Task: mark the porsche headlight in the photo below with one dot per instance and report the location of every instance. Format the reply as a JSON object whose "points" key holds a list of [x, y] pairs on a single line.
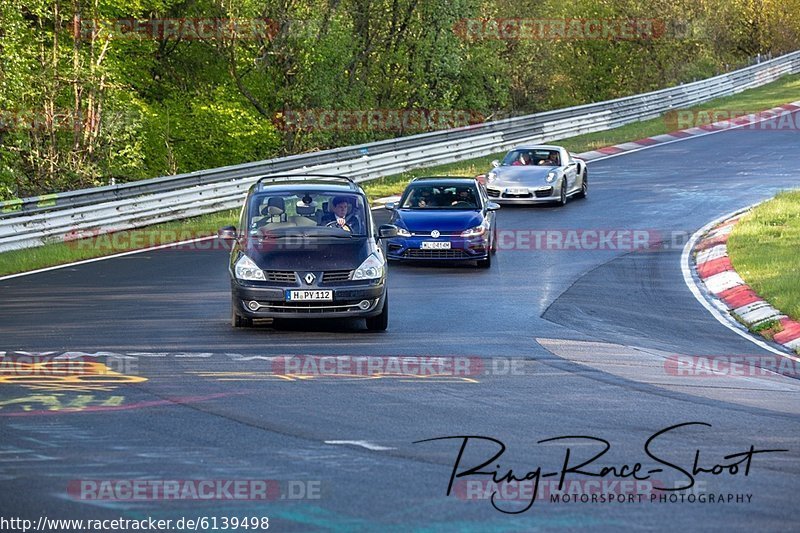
{"points": [[490, 177], [371, 268], [477, 231], [247, 270], [551, 176]]}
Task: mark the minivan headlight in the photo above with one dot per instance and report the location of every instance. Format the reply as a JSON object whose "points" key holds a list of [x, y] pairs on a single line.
{"points": [[247, 270], [371, 268]]}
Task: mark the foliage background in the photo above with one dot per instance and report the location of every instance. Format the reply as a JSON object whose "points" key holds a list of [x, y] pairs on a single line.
{"points": [[79, 112]]}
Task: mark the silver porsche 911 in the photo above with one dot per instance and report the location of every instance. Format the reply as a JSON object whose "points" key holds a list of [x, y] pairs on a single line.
{"points": [[531, 174]]}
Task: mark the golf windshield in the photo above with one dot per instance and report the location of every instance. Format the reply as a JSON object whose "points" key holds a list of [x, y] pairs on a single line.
{"points": [[440, 197]]}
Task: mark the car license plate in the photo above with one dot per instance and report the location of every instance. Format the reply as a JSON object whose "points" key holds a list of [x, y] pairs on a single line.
{"points": [[318, 296], [516, 191], [435, 245]]}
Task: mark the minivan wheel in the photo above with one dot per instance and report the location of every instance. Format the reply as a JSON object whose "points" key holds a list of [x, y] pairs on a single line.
{"points": [[238, 321], [380, 322]]}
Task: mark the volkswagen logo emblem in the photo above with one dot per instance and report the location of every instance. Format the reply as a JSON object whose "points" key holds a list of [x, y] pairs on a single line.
{"points": [[309, 278], [435, 234]]}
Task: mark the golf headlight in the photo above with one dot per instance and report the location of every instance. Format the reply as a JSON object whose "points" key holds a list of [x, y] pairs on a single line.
{"points": [[402, 232], [477, 231], [490, 177], [551, 176], [247, 270], [371, 268]]}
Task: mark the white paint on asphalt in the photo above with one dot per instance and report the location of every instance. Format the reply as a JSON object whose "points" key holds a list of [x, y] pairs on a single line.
{"points": [[362, 443], [103, 258]]}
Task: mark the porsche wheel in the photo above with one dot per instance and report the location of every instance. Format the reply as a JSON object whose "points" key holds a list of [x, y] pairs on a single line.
{"points": [[584, 184], [562, 200]]}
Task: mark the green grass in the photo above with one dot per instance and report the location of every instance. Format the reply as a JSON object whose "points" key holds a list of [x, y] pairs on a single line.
{"points": [[765, 250], [122, 241], [779, 92]]}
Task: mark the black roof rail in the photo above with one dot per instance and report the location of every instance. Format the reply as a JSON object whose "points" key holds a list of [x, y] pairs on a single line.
{"points": [[299, 177], [420, 178]]}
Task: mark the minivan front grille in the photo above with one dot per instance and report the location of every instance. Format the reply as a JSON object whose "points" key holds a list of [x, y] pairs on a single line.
{"points": [[336, 276], [280, 276]]}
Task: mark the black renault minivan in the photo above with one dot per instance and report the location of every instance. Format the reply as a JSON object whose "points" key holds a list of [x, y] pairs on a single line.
{"points": [[307, 247]]}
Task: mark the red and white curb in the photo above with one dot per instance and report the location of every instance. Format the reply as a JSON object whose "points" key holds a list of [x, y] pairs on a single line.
{"points": [[680, 135], [729, 292]]}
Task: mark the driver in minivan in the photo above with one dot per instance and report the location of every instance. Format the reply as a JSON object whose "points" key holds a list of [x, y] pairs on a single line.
{"points": [[342, 216]]}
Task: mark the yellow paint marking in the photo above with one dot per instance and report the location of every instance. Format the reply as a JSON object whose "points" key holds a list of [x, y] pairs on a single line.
{"points": [[56, 402], [82, 376]]}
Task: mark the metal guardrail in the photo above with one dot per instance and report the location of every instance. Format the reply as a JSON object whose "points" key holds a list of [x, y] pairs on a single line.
{"points": [[52, 218]]}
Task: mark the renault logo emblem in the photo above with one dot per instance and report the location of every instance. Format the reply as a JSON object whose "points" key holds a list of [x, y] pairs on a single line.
{"points": [[309, 278], [435, 234]]}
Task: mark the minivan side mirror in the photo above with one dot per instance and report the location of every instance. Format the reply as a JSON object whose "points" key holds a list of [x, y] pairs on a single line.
{"points": [[228, 233], [387, 231], [495, 163]]}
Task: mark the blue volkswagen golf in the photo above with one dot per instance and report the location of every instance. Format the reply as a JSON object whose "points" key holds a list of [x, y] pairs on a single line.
{"points": [[444, 219]]}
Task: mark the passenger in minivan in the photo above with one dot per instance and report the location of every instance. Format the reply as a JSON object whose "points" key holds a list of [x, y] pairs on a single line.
{"points": [[274, 211]]}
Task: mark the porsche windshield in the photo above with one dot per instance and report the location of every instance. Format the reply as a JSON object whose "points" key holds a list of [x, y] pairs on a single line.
{"points": [[312, 214], [532, 157]]}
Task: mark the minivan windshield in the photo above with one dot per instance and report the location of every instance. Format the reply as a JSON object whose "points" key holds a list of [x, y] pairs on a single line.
{"points": [[313, 213]]}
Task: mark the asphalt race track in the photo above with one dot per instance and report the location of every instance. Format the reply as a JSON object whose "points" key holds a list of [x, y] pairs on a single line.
{"points": [[573, 342]]}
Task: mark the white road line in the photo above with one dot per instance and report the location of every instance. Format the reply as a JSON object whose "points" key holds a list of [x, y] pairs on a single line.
{"points": [[362, 443], [103, 258]]}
